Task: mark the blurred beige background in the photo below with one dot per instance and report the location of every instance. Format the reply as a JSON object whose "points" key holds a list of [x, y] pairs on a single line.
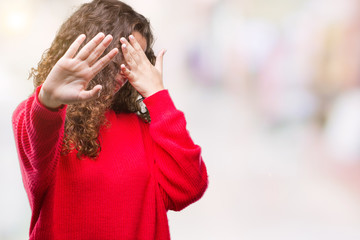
{"points": [[270, 90]]}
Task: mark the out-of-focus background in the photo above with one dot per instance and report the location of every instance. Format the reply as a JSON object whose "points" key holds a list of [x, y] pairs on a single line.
{"points": [[270, 90]]}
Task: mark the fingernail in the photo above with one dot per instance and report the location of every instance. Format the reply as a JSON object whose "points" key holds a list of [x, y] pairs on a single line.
{"points": [[124, 45], [131, 37], [122, 39]]}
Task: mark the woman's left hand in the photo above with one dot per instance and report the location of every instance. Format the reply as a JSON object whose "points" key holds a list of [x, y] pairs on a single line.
{"points": [[142, 75]]}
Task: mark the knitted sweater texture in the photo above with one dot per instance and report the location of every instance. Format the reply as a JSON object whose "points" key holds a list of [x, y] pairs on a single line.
{"points": [[143, 170]]}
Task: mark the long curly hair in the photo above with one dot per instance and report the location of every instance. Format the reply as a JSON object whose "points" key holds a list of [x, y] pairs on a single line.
{"points": [[84, 120]]}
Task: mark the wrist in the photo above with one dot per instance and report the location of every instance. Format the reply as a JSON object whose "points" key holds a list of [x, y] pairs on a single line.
{"points": [[46, 100], [152, 91]]}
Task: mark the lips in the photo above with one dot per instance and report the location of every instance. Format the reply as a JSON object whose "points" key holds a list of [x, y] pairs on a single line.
{"points": [[120, 81]]}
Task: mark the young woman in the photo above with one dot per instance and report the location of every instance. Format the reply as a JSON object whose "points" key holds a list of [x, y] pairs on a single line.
{"points": [[104, 153]]}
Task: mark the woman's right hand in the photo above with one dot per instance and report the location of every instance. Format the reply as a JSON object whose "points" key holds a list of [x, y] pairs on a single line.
{"points": [[70, 76]]}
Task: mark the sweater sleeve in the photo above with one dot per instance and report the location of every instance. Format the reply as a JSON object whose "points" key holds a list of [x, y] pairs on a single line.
{"points": [[38, 135], [179, 167]]}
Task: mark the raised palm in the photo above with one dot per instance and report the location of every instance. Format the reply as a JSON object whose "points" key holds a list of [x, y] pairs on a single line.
{"points": [[70, 76]]}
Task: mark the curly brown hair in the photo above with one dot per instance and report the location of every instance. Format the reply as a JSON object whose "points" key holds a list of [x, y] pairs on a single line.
{"points": [[83, 120]]}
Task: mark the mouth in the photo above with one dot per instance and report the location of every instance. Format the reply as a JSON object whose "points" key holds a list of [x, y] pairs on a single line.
{"points": [[120, 81]]}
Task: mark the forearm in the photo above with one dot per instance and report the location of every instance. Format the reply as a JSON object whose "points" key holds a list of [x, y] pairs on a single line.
{"points": [[38, 135], [179, 167]]}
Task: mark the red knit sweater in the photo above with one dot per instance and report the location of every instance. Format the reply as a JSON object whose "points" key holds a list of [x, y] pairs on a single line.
{"points": [[142, 171]]}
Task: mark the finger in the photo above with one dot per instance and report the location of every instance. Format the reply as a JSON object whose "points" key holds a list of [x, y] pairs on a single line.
{"points": [[135, 44], [90, 46], [131, 50], [128, 74], [99, 50], [100, 64], [70, 53], [127, 56], [90, 94], [159, 60]]}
